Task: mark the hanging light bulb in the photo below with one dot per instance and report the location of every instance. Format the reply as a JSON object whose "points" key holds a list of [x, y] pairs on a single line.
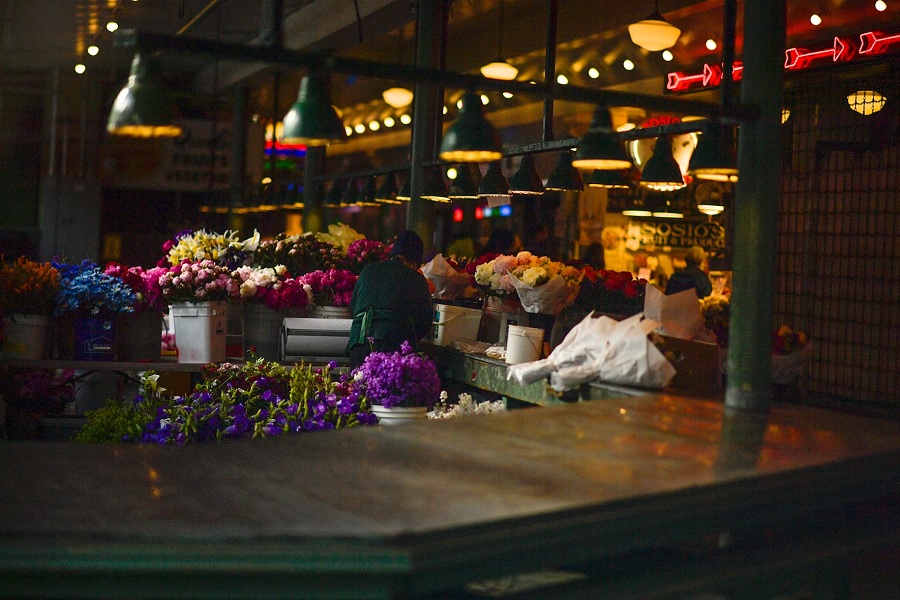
{"points": [[398, 97], [654, 33], [499, 68], [662, 173]]}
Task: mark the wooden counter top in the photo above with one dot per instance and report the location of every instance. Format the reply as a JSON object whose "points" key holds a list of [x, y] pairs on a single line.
{"points": [[412, 509]]}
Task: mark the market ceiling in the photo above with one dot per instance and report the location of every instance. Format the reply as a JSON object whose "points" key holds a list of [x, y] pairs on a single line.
{"points": [[36, 36]]}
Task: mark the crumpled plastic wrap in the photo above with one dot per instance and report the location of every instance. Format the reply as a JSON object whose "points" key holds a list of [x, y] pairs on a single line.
{"points": [[549, 299], [601, 349], [449, 284], [679, 314]]}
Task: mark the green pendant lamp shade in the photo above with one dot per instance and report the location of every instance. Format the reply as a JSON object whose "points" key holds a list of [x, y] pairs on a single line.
{"points": [[662, 173], [636, 207], [471, 138], [609, 180], [387, 193], [367, 193], [714, 156], [351, 194], [600, 147], [463, 187], [526, 181], [405, 193], [565, 177], [143, 107], [335, 193], [667, 208], [493, 183], [312, 119], [435, 188]]}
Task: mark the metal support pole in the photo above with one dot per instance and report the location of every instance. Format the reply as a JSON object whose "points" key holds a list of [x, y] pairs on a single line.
{"points": [[425, 111], [313, 218], [550, 66], [238, 147], [756, 208]]}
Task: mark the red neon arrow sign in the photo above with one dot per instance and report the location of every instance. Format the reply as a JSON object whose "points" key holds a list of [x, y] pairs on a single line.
{"points": [[678, 81], [799, 58], [737, 71], [871, 43]]}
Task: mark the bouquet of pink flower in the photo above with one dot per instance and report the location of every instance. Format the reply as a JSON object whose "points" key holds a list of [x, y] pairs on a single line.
{"points": [[274, 287], [543, 285], [144, 283], [364, 252], [198, 282], [333, 287]]}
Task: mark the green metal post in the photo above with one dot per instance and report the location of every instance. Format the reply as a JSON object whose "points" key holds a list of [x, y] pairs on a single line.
{"points": [[756, 208], [312, 186]]}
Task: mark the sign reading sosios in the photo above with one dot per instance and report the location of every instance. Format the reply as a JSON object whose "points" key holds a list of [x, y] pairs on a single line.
{"points": [[683, 234]]}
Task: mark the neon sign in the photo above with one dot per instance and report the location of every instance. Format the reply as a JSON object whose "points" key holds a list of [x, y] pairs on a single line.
{"points": [[842, 49]]}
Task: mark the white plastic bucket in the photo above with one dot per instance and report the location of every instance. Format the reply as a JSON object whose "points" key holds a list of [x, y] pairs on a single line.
{"points": [[523, 344], [397, 415], [23, 336], [452, 323], [200, 331]]}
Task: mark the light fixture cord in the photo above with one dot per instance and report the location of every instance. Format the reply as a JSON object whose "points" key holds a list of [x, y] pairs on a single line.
{"points": [[500, 32], [359, 32]]}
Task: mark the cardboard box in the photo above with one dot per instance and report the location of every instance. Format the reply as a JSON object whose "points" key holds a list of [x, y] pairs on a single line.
{"points": [[700, 370]]}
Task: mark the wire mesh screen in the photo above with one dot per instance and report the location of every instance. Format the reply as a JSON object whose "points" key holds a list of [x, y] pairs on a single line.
{"points": [[838, 259]]}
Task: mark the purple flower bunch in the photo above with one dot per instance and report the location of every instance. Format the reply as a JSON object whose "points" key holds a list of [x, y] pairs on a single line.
{"points": [[333, 287], [364, 252], [143, 282], [258, 399], [402, 378], [198, 282]]}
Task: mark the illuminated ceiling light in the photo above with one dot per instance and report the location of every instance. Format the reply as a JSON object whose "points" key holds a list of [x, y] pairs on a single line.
{"points": [[397, 97], [445, 110], [471, 137], [562, 79], [667, 56], [593, 73], [654, 33], [636, 208], [526, 181], [494, 184], [374, 125], [609, 180], [452, 173], [463, 187], [359, 128], [714, 157], [600, 148], [142, 108], [80, 68], [507, 95], [815, 19], [565, 177], [93, 50], [628, 65], [459, 104], [626, 127], [348, 130], [266, 180], [866, 102], [662, 173], [711, 44], [485, 100], [785, 115], [435, 188], [312, 119], [389, 121], [499, 68], [112, 26], [405, 119], [880, 6], [668, 210]]}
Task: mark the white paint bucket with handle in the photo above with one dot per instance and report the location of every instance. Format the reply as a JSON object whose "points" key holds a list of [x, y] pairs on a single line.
{"points": [[523, 344]]}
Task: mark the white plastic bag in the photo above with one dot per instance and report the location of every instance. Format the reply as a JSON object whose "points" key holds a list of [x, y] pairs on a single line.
{"points": [[449, 284], [549, 299]]}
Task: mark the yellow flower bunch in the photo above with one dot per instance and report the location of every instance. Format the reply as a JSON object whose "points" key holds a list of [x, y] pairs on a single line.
{"points": [[201, 245], [28, 287], [340, 236]]}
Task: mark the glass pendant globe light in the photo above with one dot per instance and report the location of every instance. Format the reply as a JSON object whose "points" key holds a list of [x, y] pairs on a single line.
{"points": [[398, 97], [565, 177], [499, 68], [600, 147], [143, 107], [312, 120], [662, 173], [526, 181], [654, 33], [471, 138]]}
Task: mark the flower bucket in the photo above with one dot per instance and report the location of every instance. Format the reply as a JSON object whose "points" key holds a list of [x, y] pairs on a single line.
{"points": [[396, 415], [24, 336], [523, 344], [199, 331], [453, 323], [262, 330], [140, 336], [95, 339], [330, 312]]}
